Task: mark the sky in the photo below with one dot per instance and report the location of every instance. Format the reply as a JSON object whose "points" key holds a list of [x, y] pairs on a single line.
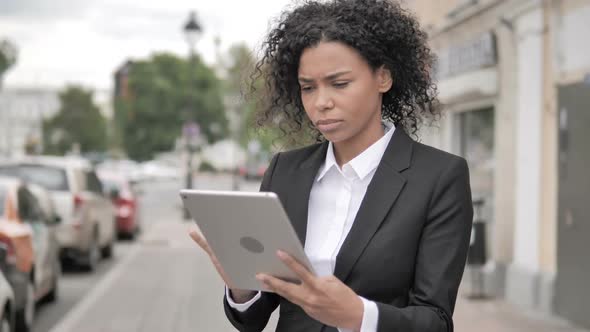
{"points": [[84, 41]]}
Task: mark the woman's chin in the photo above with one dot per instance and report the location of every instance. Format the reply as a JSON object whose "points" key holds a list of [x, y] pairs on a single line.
{"points": [[334, 137]]}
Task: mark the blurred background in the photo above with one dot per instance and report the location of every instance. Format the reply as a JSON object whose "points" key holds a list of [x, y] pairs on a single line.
{"points": [[108, 108]]}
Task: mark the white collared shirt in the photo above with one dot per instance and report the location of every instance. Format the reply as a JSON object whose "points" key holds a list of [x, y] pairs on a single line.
{"points": [[334, 201]]}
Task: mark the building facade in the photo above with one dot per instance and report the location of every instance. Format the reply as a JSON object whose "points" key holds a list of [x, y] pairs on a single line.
{"points": [[514, 78], [21, 118], [22, 111]]}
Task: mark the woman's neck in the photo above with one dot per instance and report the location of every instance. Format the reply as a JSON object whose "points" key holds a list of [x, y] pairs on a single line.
{"points": [[346, 151]]}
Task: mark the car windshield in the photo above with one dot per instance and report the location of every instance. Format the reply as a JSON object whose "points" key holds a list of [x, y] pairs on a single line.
{"points": [[51, 178], [110, 185]]}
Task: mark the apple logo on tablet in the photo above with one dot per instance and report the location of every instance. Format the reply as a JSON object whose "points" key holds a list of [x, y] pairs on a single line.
{"points": [[252, 245]]}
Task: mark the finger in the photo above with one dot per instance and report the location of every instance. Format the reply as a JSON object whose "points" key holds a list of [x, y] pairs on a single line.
{"points": [[285, 289], [300, 270], [200, 240]]}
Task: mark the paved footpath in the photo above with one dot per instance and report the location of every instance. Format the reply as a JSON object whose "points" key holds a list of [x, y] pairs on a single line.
{"points": [[166, 284]]}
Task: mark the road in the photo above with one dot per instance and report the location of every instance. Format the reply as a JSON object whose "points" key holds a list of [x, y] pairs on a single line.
{"points": [[163, 282], [159, 204]]}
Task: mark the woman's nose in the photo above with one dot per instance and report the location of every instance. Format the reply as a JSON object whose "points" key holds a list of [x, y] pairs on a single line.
{"points": [[323, 100]]}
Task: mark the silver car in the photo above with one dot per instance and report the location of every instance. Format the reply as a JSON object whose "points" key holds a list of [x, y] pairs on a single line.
{"points": [[87, 231]]}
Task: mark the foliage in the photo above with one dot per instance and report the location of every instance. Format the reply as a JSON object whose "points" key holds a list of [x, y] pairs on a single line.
{"points": [[77, 123], [164, 92], [238, 85], [8, 56], [206, 166]]}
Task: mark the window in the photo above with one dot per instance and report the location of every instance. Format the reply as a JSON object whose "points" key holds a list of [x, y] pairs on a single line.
{"points": [[28, 207], [110, 185], [51, 178], [93, 183], [9, 171], [476, 145]]}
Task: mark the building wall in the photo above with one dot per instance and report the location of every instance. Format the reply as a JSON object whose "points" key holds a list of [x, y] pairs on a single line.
{"points": [[431, 13], [570, 18], [21, 115], [495, 86], [524, 275], [548, 236], [539, 48]]}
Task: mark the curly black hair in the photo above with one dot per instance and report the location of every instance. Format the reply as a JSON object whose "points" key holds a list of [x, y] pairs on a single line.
{"points": [[383, 33]]}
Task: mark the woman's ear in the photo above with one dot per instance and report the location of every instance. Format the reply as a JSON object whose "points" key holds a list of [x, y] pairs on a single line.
{"points": [[385, 79]]}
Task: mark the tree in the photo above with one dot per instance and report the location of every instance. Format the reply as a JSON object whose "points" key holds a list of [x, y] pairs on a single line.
{"points": [[240, 66], [166, 91], [8, 55], [77, 123]]}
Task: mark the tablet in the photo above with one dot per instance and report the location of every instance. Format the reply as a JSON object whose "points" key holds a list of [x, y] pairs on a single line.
{"points": [[245, 230]]}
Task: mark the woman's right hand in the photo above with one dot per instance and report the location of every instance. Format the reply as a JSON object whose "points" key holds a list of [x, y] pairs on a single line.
{"points": [[238, 295]]}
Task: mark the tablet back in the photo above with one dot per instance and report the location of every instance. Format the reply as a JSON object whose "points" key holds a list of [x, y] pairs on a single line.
{"points": [[245, 230]]}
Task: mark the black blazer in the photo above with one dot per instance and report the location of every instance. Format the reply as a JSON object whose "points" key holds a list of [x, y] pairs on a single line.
{"points": [[406, 249]]}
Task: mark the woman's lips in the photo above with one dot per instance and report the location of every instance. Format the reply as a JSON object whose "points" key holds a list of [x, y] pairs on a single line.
{"points": [[328, 125]]}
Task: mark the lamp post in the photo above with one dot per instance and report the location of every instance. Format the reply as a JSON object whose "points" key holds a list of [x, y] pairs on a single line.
{"points": [[192, 31], [191, 131]]}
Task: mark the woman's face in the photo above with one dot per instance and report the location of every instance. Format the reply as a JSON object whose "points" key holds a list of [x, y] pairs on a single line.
{"points": [[341, 94]]}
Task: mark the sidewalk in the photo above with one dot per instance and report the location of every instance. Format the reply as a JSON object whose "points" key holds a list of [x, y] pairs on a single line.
{"points": [[164, 284], [499, 316], [167, 284]]}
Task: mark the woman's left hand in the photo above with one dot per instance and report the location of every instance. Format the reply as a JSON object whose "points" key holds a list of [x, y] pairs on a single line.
{"points": [[325, 299]]}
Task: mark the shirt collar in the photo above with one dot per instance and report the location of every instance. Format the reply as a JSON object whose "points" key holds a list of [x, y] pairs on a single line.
{"points": [[364, 163]]}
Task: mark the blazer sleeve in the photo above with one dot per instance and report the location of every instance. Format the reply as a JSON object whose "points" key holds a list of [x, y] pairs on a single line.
{"points": [[440, 259], [256, 317]]}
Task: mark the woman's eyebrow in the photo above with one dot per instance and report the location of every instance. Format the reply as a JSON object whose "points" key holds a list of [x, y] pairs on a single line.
{"points": [[303, 79]]}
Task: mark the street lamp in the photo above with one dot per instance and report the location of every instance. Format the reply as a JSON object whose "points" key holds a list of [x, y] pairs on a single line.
{"points": [[192, 32]]}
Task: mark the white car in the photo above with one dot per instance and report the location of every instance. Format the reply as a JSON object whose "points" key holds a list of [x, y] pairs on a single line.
{"points": [[87, 231], [155, 170]]}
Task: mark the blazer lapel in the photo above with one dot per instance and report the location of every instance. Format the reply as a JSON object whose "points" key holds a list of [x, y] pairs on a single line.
{"points": [[382, 192], [300, 189]]}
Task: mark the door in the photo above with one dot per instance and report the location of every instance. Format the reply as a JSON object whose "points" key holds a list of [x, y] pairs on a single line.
{"points": [[104, 208], [572, 293], [474, 140], [31, 214]]}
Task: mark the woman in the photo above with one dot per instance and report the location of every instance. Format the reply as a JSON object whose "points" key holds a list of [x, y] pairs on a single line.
{"points": [[384, 220]]}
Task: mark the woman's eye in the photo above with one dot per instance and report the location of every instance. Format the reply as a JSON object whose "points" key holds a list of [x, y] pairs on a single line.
{"points": [[306, 88]]}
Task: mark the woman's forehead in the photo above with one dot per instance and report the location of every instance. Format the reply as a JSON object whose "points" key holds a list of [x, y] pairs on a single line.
{"points": [[329, 58]]}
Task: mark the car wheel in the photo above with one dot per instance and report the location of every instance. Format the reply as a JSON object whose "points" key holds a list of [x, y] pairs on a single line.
{"points": [[93, 255], [107, 251], [5, 324], [25, 316], [134, 233], [53, 293]]}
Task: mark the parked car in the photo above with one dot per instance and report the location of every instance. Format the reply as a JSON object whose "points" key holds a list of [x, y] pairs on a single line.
{"points": [[7, 313], [131, 169], [32, 253], [253, 169], [125, 196], [154, 170], [87, 231]]}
